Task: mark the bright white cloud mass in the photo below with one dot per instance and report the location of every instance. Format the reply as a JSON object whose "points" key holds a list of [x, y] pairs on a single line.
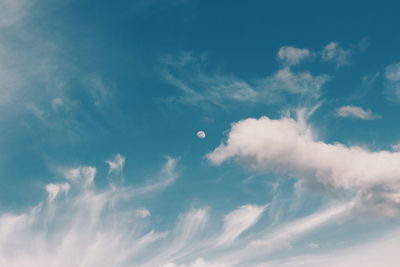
{"points": [[287, 146]]}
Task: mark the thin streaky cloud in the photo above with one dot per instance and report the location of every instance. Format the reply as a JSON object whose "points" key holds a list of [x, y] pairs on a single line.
{"points": [[356, 112]]}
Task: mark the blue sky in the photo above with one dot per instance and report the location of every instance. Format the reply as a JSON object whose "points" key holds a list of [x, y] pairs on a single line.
{"points": [[101, 103]]}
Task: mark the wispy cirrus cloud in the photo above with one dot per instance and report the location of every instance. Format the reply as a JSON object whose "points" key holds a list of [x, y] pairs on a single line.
{"points": [[116, 164], [378, 252], [79, 225], [238, 221], [392, 81], [356, 112], [199, 87], [11, 11], [187, 72]]}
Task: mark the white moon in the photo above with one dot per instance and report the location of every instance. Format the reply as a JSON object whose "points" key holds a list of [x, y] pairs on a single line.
{"points": [[201, 134]]}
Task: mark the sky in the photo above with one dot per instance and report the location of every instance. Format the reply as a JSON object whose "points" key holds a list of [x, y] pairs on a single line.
{"points": [[189, 133]]}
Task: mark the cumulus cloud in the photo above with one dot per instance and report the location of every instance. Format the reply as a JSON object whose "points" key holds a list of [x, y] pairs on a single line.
{"points": [[333, 52], [287, 146], [356, 112], [392, 83], [289, 55]]}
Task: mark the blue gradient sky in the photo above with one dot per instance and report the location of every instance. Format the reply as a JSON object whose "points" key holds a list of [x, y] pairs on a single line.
{"points": [[124, 86]]}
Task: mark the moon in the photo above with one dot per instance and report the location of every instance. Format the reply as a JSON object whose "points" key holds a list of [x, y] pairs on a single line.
{"points": [[201, 134]]}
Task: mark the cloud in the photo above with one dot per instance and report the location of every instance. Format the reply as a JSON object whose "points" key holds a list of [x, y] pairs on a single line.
{"points": [[392, 72], [392, 83], [167, 176], [287, 146], [83, 176], [313, 246], [54, 189], [238, 221], [87, 228], [199, 87], [356, 112], [97, 227], [333, 52], [143, 212], [289, 55], [284, 80], [214, 89], [11, 11], [99, 91], [283, 235], [377, 252], [396, 147], [116, 165]]}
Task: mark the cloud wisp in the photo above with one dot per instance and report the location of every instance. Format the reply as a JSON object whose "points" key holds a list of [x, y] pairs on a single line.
{"points": [[356, 112], [199, 87], [79, 225], [392, 81]]}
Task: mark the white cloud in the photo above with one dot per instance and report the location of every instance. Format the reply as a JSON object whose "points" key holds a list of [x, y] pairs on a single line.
{"points": [[392, 84], [289, 55], [54, 189], [116, 164], [84, 229], [286, 146], [356, 112], [81, 175], [56, 103], [217, 89], [392, 72], [396, 147], [167, 176], [238, 221], [98, 89], [11, 11], [295, 83], [283, 235], [377, 252], [335, 53], [198, 87], [313, 246], [143, 212], [96, 228]]}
